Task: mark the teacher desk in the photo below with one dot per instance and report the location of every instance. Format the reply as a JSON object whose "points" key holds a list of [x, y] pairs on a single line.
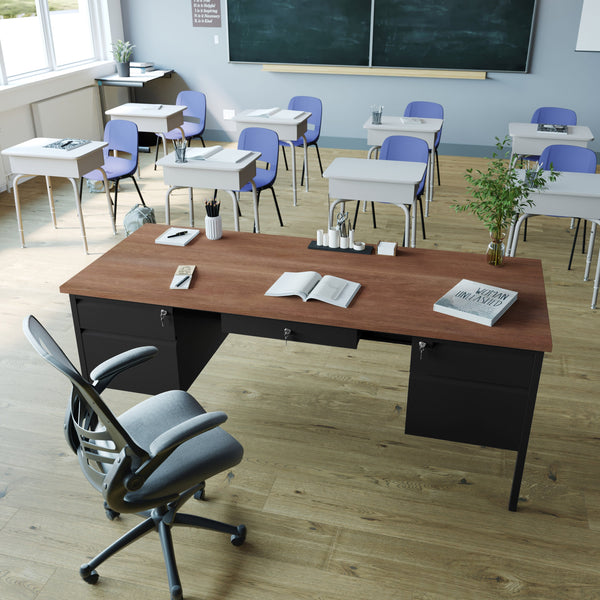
{"points": [[468, 383]]}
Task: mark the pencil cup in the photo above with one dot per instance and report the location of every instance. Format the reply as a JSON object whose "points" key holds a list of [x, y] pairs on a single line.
{"points": [[376, 111], [180, 146], [344, 241], [213, 227]]}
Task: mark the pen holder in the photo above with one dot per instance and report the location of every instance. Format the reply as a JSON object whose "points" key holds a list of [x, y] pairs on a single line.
{"points": [[213, 227], [376, 112], [180, 146]]}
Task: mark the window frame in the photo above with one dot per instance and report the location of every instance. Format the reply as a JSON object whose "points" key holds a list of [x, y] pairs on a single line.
{"points": [[97, 32]]}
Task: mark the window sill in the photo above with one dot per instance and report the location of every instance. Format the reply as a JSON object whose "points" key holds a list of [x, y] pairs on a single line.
{"points": [[55, 83]]}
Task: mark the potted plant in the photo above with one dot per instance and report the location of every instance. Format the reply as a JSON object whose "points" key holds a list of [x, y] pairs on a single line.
{"points": [[122, 52], [499, 194]]}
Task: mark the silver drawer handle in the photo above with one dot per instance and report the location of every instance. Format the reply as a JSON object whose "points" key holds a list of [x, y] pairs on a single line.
{"points": [[286, 334], [163, 316]]}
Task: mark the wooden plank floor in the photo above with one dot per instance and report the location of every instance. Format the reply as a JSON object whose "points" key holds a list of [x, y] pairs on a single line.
{"points": [[338, 501]]}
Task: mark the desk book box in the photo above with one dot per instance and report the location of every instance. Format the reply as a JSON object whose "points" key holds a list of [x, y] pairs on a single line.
{"points": [[476, 302]]}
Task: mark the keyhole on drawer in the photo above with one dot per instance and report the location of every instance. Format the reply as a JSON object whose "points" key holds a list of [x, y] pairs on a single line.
{"points": [[286, 334], [163, 316]]}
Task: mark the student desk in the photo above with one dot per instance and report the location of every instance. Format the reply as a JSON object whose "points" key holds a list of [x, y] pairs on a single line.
{"points": [[468, 383], [155, 118], [33, 158], [425, 128], [528, 141], [132, 82], [289, 126], [575, 195], [390, 181], [210, 173]]}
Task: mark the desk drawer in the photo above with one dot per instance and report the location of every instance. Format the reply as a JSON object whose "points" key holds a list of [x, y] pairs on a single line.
{"points": [[298, 332], [126, 318]]}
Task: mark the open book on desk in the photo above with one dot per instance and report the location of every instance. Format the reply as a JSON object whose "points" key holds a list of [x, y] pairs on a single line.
{"points": [[309, 285]]}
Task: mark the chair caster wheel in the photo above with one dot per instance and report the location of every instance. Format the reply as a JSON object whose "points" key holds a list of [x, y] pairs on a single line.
{"points": [[110, 513], [176, 593], [238, 538], [201, 493], [88, 575]]}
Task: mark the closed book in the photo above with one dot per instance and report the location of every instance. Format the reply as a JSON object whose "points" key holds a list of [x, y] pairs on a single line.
{"points": [[477, 302]]}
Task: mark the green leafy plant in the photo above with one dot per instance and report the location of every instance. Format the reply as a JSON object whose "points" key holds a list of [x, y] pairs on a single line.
{"points": [[122, 51], [501, 192]]}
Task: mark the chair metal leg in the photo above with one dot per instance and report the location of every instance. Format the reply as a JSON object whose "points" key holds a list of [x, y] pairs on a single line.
{"points": [[422, 219], [356, 215], [319, 157], [573, 246], [525, 230], [138, 190], [437, 164], [276, 206], [156, 155], [115, 202], [284, 157], [373, 214]]}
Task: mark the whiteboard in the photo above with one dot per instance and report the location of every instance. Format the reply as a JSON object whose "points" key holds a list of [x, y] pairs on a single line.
{"points": [[588, 38]]}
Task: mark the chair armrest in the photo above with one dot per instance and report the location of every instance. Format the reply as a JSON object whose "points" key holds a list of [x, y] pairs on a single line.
{"points": [[105, 372], [166, 442]]}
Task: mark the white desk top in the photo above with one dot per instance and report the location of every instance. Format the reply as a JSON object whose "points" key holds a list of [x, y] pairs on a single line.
{"points": [[568, 184], [383, 171], [139, 109], [529, 130], [135, 80], [34, 148], [212, 163], [422, 124]]}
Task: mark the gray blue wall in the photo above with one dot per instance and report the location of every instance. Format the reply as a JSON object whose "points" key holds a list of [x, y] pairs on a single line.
{"points": [[475, 111]]}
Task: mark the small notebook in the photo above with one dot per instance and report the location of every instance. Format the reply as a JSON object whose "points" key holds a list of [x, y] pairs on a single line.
{"points": [[177, 236], [183, 277]]}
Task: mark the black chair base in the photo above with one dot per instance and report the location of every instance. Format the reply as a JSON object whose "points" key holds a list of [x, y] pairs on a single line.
{"points": [[162, 519]]}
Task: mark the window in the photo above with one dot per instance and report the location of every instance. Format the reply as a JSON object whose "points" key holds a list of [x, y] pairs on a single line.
{"points": [[44, 35]]}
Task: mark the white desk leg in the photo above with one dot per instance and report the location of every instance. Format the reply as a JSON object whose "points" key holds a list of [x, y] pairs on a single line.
{"points": [[79, 212], [111, 212], [515, 235], [168, 204], [255, 204], [369, 155], [331, 211], [51, 200], [15, 184], [191, 198], [413, 226], [429, 182], [590, 252], [305, 162], [293, 151], [236, 215], [407, 218]]}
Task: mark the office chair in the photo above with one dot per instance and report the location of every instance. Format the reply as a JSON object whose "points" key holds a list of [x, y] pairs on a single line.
{"points": [[403, 148], [150, 460], [122, 138], [315, 107], [266, 142], [432, 110], [563, 157], [196, 108]]}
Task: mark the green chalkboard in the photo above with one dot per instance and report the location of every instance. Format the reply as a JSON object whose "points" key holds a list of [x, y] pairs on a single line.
{"points": [[488, 35], [492, 35], [333, 32]]}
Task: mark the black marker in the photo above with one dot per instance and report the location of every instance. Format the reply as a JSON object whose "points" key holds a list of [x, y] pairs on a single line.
{"points": [[182, 281], [177, 234]]}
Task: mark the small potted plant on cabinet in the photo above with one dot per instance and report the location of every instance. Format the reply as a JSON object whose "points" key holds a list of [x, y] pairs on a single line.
{"points": [[499, 194], [122, 52]]}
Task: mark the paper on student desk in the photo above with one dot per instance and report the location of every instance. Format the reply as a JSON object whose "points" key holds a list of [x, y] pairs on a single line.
{"points": [[230, 155], [202, 153], [263, 112], [289, 114], [177, 236], [411, 120]]}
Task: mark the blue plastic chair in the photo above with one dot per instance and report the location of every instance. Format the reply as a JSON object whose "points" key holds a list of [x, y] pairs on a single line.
{"points": [[122, 137], [196, 108], [431, 110], [265, 141], [409, 149], [575, 159], [315, 107], [554, 116]]}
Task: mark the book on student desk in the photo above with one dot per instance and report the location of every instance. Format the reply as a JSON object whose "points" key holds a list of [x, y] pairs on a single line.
{"points": [[550, 128], [309, 285], [476, 302]]}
